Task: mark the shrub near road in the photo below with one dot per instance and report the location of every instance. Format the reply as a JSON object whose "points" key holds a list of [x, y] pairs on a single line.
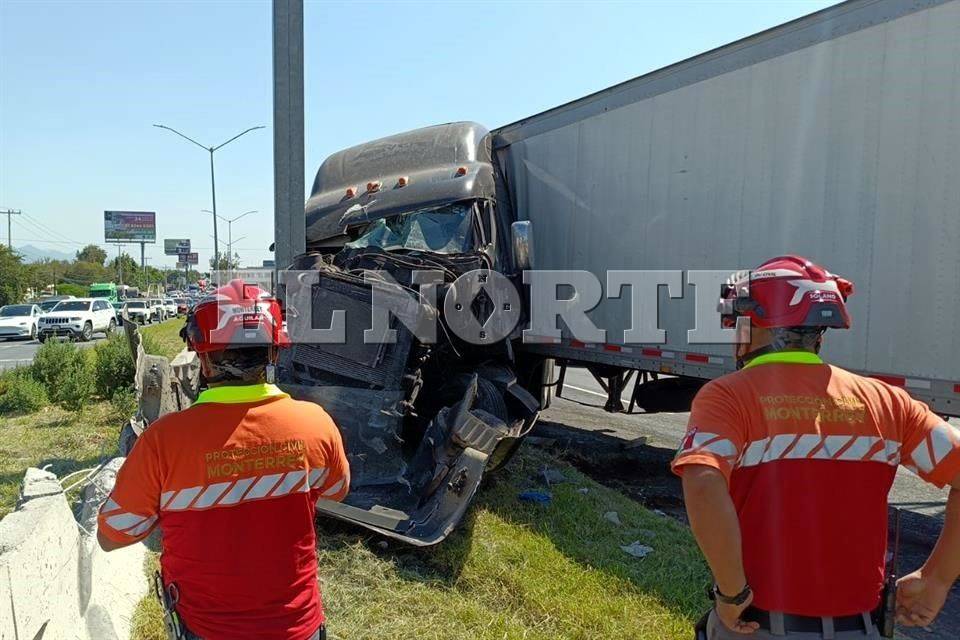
{"points": [[63, 436]]}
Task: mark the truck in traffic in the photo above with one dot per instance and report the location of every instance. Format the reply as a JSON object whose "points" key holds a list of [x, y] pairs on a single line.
{"points": [[105, 290]]}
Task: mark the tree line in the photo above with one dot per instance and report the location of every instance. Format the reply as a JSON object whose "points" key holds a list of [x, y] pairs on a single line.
{"points": [[74, 277]]}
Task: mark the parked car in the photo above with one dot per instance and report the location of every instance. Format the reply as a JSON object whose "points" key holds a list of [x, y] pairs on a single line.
{"points": [[138, 311], [170, 307], [19, 321], [78, 319], [183, 306]]}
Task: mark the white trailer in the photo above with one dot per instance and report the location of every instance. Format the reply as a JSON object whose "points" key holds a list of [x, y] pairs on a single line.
{"points": [[835, 136]]}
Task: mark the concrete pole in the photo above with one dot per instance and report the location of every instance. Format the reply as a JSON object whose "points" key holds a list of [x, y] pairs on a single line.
{"points": [[288, 163]]}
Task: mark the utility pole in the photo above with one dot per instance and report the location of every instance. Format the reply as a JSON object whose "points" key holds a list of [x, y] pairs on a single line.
{"points": [[288, 172], [10, 212], [119, 264]]}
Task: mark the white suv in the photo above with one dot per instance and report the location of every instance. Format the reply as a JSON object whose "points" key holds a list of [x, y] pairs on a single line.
{"points": [[137, 310], [78, 319], [170, 307]]}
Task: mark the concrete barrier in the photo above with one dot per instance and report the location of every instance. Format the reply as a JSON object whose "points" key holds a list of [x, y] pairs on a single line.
{"points": [[55, 582]]}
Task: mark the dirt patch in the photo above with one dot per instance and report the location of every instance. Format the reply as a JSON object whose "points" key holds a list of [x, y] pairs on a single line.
{"points": [[642, 472]]}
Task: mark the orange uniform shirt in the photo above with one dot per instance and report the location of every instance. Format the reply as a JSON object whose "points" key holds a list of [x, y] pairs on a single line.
{"points": [[810, 452], [232, 482]]}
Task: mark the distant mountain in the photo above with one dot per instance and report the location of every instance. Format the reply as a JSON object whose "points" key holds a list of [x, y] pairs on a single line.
{"points": [[32, 254]]}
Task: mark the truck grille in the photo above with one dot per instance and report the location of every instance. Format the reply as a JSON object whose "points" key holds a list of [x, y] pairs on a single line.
{"points": [[377, 365]]}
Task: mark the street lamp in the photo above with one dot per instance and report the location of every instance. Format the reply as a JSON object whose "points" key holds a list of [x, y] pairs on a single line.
{"points": [[213, 188], [229, 222]]}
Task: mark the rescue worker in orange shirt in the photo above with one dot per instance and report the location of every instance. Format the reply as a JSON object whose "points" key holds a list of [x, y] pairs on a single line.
{"points": [[233, 482], [786, 466]]}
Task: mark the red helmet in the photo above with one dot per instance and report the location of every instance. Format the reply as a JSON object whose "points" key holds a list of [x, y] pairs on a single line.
{"points": [[787, 291], [235, 316]]}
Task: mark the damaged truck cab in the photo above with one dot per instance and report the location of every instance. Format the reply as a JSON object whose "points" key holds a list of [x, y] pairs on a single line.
{"points": [[422, 419]]}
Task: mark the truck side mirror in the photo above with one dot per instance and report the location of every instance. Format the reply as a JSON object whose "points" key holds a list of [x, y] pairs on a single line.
{"points": [[521, 232]]}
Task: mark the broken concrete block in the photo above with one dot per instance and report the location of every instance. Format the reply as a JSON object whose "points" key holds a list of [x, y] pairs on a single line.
{"points": [[38, 483]]}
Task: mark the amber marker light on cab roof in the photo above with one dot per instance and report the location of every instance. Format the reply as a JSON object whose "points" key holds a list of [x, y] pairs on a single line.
{"points": [[402, 181], [373, 186], [462, 171]]}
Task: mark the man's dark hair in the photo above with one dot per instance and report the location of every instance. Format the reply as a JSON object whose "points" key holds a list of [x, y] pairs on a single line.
{"points": [[247, 365]]}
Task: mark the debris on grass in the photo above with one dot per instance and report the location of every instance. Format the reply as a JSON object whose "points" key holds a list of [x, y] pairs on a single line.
{"points": [[552, 476], [614, 517], [637, 549], [538, 497]]}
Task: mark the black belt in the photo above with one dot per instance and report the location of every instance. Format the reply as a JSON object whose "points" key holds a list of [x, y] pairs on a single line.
{"points": [[804, 624]]}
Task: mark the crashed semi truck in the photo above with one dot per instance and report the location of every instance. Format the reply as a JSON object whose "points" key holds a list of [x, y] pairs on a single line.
{"points": [[835, 136]]}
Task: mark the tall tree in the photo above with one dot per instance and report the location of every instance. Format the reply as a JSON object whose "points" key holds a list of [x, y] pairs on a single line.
{"points": [[93, 254], [12, 277], [227, 263]]}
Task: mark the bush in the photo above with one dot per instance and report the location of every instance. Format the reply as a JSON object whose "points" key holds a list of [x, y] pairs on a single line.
{"points": [[113, 366], [124, 403], [20, 393], [66, 374]]}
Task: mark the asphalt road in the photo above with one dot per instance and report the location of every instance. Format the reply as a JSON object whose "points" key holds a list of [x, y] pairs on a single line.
{"points": [[15, 353], [580, 411]]}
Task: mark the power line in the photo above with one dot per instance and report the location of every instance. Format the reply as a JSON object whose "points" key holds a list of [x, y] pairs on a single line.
{"points": [[47, 229]]}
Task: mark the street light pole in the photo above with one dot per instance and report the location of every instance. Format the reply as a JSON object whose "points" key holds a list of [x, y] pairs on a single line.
{"points": [[229, 222], [213, 195], [213, 187]]}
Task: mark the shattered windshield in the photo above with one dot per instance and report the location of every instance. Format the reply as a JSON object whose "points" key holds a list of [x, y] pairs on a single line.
{"points": [[445, 230]]}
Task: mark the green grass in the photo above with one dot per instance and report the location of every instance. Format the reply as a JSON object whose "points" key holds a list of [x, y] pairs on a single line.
{"points": [[164, 339], [67, 441], [520, 570]]}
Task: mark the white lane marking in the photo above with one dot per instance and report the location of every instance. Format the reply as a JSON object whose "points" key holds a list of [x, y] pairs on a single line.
{"points": [[593, 393]]}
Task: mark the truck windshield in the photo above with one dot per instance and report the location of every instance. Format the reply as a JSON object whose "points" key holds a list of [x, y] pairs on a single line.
{"points": [[448, 229], [100, 293]]}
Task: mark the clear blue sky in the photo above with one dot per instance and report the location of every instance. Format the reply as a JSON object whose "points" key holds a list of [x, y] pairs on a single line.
{"points": [[81, 83]]}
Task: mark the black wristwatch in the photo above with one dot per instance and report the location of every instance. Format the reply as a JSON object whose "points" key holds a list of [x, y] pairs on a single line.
{"points": [[736, 600]]}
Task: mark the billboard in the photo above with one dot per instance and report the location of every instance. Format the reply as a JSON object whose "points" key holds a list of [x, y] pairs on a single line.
{"points": [[187, 258], [130, 226], [176, 246]]}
